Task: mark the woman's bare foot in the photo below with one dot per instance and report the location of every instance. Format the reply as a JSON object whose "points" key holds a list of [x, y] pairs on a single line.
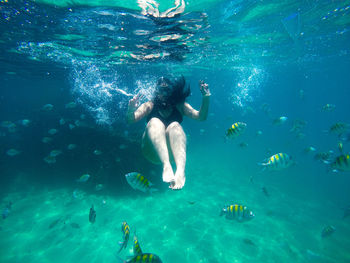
{"points": [[168, 174], [179, 181]]}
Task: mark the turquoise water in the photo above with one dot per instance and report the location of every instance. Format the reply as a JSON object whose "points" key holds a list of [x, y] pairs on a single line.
{"points": [[261, 59]]}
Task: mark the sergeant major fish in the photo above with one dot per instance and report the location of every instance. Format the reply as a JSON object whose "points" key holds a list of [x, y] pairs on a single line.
{"points": [[341, 163], [239, 212], [126, 234], [138, 182], [339, 128], [236, 129], [143, 258], [137, 248], [324, 157], [277, 162]]}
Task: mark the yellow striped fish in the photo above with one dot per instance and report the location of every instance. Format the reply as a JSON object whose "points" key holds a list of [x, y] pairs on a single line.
{"points": [[341, 163], [239, 212], [236, 129], [277, 162], [144, 258], [126, 233], [139, 182], [137, 248]]}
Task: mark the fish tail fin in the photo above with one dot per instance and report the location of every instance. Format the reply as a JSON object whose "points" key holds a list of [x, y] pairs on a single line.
{"points": [[263, 166], [330, 169], [121, 244], [120, 260]]}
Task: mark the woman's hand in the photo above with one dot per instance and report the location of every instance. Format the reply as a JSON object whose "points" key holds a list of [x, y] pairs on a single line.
{"points": [[134, 102], [204, 88]]}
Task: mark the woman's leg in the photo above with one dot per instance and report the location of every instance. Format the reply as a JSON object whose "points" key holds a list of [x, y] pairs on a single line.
{"points": [[154, 147], [177, 141]]}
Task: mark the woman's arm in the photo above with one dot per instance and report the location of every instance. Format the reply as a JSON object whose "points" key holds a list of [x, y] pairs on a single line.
{"points": [[135, 113], [202, 114]]}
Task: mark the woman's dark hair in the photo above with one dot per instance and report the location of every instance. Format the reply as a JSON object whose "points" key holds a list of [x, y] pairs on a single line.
{"points": [[171, 92]]}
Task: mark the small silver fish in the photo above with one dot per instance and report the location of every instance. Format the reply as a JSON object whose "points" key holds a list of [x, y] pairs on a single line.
{"points": [[99, 187], [62, 121], [52, 131], [258, 133], [83, 178], [12, 152], [97, 152], [47, 107], [25, 122], [328, 107], [46, 139], [77, 123], [280, 120], [78, 194], [324, 157], [71, 146], [7, 124], [50, 159], [55, 153], [70, 105], [309, 149]]}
